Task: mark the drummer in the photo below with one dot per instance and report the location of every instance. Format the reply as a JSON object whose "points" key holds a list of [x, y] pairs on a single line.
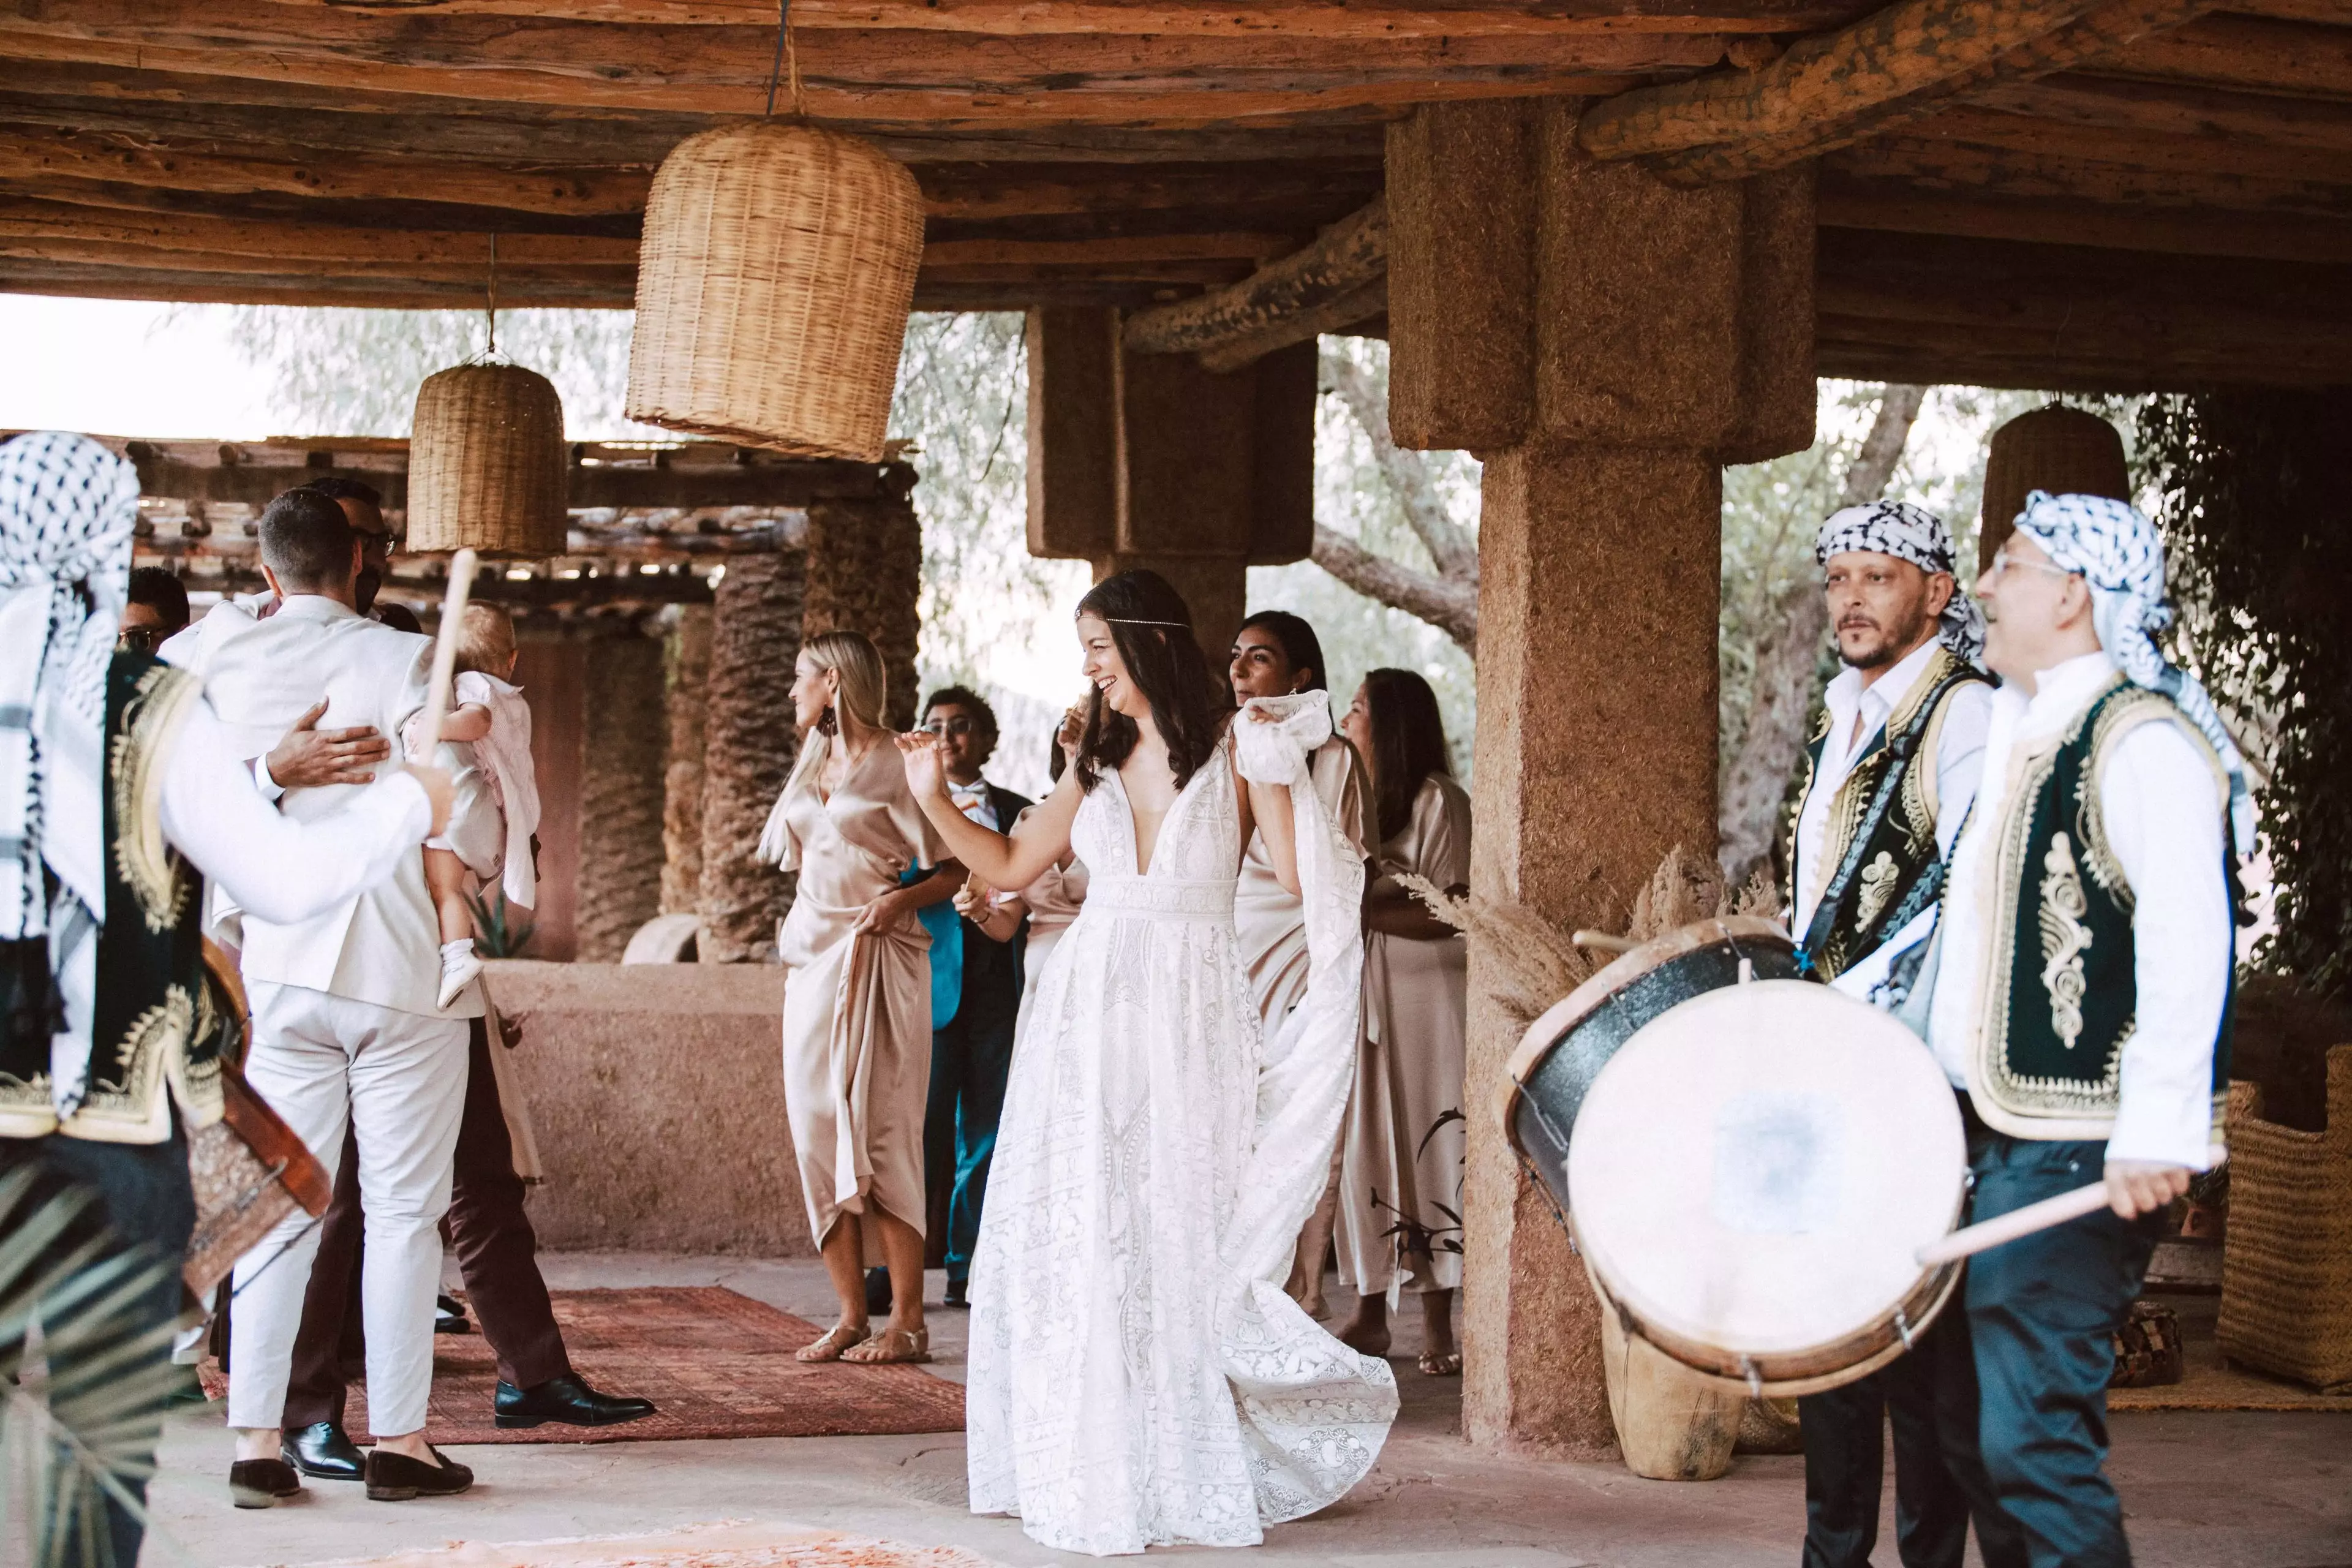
{"points": [[1890, 774], [2082, 993]]}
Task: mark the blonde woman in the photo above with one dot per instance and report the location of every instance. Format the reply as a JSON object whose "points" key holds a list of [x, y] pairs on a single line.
{"points": [[858, 996]]}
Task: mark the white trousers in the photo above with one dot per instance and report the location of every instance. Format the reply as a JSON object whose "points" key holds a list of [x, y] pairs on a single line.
{"points": [[400, 1079]]}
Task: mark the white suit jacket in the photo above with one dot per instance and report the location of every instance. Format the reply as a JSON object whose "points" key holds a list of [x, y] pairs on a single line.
{"points": [[382, 946]]}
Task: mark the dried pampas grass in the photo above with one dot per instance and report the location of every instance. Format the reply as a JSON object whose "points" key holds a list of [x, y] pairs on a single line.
{"points": [[1538, 962]]}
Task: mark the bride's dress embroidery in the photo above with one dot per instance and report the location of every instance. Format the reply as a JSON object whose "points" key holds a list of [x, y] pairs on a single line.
{"points": [[1137, 1376]]}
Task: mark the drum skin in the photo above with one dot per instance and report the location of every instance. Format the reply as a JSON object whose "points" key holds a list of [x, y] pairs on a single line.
{"points": [[1563, 1052], [1757, 1169]]}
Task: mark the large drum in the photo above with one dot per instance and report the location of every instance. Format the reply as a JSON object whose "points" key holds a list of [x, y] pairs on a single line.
{"points": [[1563, 1052], [1756, 1172]]}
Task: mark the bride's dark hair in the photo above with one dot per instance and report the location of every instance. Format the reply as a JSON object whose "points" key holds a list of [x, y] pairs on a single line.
{"points": [[1152, 627]]}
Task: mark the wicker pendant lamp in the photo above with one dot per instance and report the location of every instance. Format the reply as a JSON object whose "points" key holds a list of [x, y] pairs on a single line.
{"points": [[773, 282], [2065, 451], [487, 467]]}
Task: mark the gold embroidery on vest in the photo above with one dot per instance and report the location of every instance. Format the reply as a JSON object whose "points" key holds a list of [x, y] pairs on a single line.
{"points": [[146, 863], [1878, 879], [2063, 939]]}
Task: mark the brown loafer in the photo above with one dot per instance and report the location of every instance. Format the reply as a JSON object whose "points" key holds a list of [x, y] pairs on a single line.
{"points": [[262, 1483], [397, 1478]]}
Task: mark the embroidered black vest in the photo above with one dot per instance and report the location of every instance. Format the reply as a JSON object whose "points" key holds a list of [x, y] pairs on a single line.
{"points": [[2060, 1000], [155, 1032], [1880, 854]]}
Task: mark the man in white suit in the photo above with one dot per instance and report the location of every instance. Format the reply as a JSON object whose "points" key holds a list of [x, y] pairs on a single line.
{"points": [[346, 1023]]}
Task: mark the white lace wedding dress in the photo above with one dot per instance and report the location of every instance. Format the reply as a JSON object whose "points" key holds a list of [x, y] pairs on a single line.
{"points": [[1137, 1376]]}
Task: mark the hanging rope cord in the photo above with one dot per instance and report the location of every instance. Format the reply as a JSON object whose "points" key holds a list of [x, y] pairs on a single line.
{"points": [[490, 307], [787, 60]]}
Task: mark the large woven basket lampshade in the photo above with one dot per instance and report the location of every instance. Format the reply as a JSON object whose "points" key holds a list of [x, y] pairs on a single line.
{"points": [[773, 282], [2065, 451], [486, 463]]}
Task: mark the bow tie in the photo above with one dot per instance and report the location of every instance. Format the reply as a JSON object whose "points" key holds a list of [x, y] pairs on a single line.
{"points": [[968, 795]]}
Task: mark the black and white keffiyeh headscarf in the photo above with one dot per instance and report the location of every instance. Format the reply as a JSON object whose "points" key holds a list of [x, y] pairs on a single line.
{"points": [[67, 510], [1910, 534], [2118, 553]]}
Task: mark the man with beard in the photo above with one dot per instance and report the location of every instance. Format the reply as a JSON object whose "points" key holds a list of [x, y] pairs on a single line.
{"points": [[1891, 772]]}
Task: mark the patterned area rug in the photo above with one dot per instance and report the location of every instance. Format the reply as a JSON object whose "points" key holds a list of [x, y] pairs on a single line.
{"points": [[716, 1364], [725, 1545], [2208, 1383]]}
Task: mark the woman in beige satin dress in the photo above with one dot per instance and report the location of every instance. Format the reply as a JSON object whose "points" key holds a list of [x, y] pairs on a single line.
{"points": [[1276, 654], [1400, 1160], [857, 993]]}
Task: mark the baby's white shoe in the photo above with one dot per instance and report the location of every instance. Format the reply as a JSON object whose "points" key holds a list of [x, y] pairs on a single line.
{"points": [[458, 967]]}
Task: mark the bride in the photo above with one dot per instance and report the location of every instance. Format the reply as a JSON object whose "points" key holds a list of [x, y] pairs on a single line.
{"points": [[1137, 1376]]}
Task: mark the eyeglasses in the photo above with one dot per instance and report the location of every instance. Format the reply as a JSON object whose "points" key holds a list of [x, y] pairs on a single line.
{"points": [[2004, 563], [142, 639], [956, 726]]}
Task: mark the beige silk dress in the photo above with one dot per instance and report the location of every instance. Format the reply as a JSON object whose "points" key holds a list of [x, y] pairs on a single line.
{"points": [[858, 1008], [1269, 922], [1401, 1150]]}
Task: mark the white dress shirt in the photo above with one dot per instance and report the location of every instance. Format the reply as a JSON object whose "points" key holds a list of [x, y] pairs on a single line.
{"points": [[972, 800], [2162, 809], [1959, 763]]}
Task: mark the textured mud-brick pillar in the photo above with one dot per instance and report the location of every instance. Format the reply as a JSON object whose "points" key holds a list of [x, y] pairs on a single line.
{"points": [[866, 574], [1149, 460], [1604, 342], [621, 790], [748, 747], [686, 677]]}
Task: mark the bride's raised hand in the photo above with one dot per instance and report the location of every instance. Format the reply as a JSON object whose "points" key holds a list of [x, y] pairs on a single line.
{"points": [[920, 753]]}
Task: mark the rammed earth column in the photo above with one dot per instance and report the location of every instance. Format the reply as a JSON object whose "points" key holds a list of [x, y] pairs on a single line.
{"points": [[1604, 342]]}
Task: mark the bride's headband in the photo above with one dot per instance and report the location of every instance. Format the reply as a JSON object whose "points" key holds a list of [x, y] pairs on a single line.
{"points": [[1132, 621]]}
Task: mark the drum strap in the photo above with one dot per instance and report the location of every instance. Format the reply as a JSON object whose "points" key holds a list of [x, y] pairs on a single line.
{"points": [[1901, 747]]}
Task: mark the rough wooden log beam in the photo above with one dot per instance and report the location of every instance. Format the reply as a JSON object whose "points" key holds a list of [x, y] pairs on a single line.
{"points": [[2249, 52], [1282, 302], [2003, 171], [877, 75], [2175, 108], [1895, 207], [1832, 91], [1866, 349], [2150, 150], [1355, 20]]}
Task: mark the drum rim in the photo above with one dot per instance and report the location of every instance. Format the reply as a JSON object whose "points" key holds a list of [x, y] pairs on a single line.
{"points": [[1541, 1037]]}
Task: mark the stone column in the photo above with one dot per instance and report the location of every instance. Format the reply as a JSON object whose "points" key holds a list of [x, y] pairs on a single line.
{"points": [[621, 787], [748, 748], [1150, 461], [1604, 342], [866, 574], [686, 675]]}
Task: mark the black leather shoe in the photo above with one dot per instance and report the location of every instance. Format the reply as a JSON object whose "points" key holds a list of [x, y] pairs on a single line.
{"points": [[568, 1400], [955, 1296], [325, 1451], [450, 1316], [397, 1478], [261, 1483]]}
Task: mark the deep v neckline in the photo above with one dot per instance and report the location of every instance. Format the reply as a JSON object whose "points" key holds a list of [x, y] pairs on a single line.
{"points": [[824, 795], [1135, 828]]}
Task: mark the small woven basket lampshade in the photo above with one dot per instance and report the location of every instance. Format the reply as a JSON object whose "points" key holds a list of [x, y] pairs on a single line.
{"points": [[773, 282], [486, 463], [2065, 451]]}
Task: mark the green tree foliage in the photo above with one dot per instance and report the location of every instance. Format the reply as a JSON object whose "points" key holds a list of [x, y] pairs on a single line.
{"points": [[2256, 502]]}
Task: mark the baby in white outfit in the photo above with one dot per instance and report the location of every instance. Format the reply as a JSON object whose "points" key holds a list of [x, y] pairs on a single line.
{"points": [[489, 714]]}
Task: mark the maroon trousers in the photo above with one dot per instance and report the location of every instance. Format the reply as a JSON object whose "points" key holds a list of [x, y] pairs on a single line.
{"points": [[497, 1253]]}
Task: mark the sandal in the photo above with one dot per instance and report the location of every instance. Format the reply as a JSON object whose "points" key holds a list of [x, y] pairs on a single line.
{"points": [[836, 1340], [1441, 1363], [892, 1347]]}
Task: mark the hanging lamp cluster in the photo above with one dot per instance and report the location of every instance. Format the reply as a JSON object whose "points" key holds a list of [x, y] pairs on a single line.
{"points": [[487, 466], [774, 280]]}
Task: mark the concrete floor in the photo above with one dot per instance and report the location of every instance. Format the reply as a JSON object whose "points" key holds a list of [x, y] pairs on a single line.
{"points": [[2201, 1490]]}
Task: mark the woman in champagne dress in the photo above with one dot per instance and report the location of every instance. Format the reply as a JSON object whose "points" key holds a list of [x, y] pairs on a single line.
{"points": [[1400, 1167], [1137, 1377], [1276, 654], [857, 993]]}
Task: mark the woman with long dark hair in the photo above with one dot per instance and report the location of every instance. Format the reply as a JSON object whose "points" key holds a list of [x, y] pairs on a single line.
{"points": [[1137, 1377], [1400, 1165], [1277, 654]]}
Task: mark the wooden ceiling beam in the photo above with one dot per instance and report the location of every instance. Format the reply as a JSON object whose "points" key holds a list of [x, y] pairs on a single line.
{"points": [[1832, 91], [2250, 53], [239, 286], [1364, 21], [2175, 108], [1343, 274], [1894, 206], [2003, 171], [2130, 147]]}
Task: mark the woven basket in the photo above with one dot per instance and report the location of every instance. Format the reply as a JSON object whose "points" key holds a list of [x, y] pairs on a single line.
{"points": [[773, 283], [486, 463], [2062, 451], [2286, 1262]]}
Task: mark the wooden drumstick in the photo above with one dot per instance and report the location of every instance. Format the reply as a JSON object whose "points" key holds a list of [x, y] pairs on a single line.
{"points": [[445, 650], [1602, 941], [1976, 1238]]}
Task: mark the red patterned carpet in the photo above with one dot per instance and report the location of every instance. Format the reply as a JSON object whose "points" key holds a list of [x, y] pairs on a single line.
{"points": [[716, 1363]]}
